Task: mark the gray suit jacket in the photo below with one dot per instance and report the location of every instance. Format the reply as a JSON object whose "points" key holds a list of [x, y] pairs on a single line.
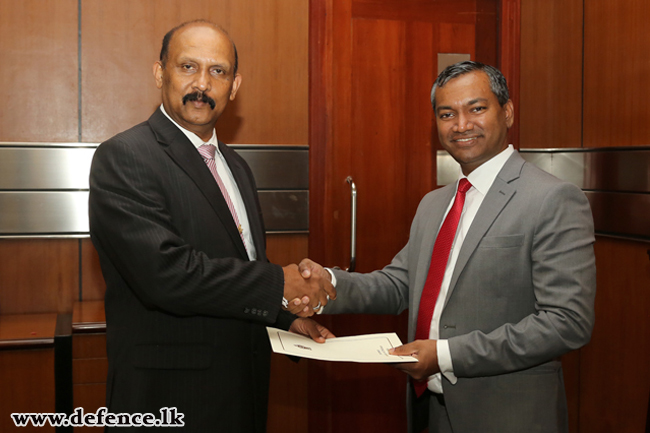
{"points": [[521, 295]]}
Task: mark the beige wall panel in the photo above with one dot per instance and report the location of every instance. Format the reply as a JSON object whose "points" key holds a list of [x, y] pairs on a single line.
{"points": [[38, 77], [38, 275], [617, 72], [550, 107], [121, 40]]}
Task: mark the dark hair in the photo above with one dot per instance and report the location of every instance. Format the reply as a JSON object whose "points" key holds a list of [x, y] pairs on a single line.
{"points": [[498, 83], [164, 51]]}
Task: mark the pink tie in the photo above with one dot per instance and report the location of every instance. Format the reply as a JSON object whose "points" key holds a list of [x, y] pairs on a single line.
{"points": [[207, 151], [439, 260]]}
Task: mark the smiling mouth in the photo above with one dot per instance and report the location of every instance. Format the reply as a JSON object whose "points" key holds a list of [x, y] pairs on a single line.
{"points": [[465, 139]]}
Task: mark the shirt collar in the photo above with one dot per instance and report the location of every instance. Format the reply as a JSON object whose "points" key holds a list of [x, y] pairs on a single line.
{"points": [[195, 139], [482, 177]]}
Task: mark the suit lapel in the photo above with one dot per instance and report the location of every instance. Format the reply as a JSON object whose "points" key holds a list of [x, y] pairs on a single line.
{"points": [[428, 235], [494, 202], [185, 155], [247, 190]]}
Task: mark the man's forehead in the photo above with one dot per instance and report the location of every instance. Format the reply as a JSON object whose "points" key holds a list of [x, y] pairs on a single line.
{"points": [[197, 36], [469, 89]]}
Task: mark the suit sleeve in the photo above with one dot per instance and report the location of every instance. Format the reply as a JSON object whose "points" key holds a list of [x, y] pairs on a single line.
{"points": [[564, 285], [130, 224], [380, 292]]}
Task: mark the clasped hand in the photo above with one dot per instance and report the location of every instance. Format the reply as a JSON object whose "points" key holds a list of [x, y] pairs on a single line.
{"points": [[308, 292]]}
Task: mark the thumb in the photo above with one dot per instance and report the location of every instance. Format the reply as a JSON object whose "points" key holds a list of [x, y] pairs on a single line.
{"points": [[405, 350], [315, 334], [305, 268]]}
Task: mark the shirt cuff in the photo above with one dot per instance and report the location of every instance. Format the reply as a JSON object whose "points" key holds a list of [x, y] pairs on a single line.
{"points": [[332, 275], [320, 311], [444, 361]]}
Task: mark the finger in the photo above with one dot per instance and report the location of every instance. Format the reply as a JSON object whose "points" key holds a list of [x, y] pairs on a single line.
{"points": [[306, 312], [405, 350], [295, 306], [330, 290], [305, 267], [326, 333], [314, 332]]}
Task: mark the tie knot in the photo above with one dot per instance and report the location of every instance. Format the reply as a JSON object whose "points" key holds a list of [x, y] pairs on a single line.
{"points": [[464, 185], [207, 151]]}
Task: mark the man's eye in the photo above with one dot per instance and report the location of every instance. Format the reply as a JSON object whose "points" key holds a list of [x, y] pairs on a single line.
{"points": [[218, 71], [445, 115], [478, 109]]}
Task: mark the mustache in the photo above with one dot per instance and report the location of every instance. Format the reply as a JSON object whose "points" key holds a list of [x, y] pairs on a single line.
{"points": [[201, 97]]}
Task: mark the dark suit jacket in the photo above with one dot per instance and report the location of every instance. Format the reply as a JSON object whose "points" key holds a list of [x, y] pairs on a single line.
{"points": [[521, 294], [185, 308]]}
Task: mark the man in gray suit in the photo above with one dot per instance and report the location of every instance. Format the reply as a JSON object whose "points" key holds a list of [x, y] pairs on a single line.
{"points": [[515, 287]]}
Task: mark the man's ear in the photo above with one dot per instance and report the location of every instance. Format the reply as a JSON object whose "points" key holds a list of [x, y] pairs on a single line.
{"points": [[235, 86], [158, 73], [510, 113]]}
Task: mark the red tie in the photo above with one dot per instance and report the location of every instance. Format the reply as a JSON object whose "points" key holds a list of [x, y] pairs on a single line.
{"points": [[208, 151], [439, 260]]}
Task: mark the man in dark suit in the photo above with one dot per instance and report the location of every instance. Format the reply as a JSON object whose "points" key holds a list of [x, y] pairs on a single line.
{"points": [[498, 298], [175, 218]]}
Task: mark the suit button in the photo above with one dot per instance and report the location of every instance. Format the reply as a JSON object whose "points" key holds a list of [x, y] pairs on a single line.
{"points": [[247, 310]]}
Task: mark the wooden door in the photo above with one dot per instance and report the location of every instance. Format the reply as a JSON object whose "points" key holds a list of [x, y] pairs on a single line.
{"points": [[372, 65]]}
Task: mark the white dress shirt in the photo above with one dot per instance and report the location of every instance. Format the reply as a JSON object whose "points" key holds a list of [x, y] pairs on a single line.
{"points": [[228, 181], [481, 179]]}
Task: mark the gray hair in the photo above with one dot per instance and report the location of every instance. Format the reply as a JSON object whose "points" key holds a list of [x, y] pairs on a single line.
{"points": [[498, 83]]}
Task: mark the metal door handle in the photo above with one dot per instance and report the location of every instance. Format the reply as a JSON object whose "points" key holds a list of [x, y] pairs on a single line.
{"points": [[353, 225]]}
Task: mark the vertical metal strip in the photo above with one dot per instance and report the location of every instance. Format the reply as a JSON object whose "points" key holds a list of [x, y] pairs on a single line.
{"points": [[80, 271], [79, 70], [79, 127], [582, 101]]}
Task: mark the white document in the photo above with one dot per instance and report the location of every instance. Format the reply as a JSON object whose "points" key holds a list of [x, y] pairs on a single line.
{"points": [[360, 348]]}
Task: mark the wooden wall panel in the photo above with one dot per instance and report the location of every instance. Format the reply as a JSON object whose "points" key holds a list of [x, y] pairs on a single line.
{"points": [[457, 38], [509, 56], [38, 77], [615, 372], [284, 249], [487, 31], [27, 378], [616, 75], [416, 10], [121, 40], [38, 275], [288, 405], [550, 106], [93, 286], [571, 369]]}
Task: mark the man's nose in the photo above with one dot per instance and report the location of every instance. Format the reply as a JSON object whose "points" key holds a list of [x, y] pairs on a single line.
{"points": [[464, 123], [202, 81]]}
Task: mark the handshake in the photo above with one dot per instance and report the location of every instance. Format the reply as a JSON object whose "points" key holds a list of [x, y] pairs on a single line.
{"points": [[307, 288]]}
